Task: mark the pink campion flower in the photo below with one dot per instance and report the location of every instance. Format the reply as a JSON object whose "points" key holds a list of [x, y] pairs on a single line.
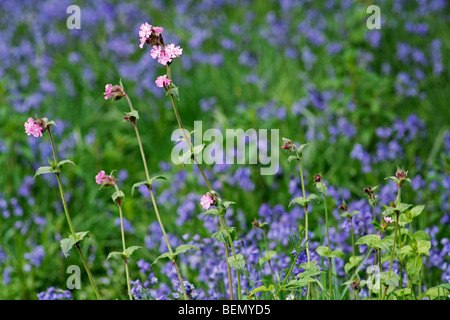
{"points": [[114, 92], [145, 30], [100, 177], [108, 91], [156, 51], [104, 180], [144, 33], [206, 201], [173, 51], [164, 58], [31, 128], [388, 219], [162, 81], [158, 30]]}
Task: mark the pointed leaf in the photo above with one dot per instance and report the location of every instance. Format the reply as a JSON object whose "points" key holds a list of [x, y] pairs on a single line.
{"points": [[44, 170], [129, 251], [185, 247]]}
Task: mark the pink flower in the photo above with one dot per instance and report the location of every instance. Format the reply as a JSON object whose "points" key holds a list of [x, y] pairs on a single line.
{"points": [[100, 177], [156, 52], [31, 128], [164, 58], [113, 92], [173, 51], [162, 81], [388, 219], [108, 91], [158, 30], [145, 32], [206, 201]]}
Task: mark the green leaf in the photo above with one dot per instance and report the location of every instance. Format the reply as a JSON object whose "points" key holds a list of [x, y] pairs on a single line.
{"points": [[185, 247], [165, 255], [444, 285], [421, 235], [413, 265], [423, 247], [405, 250], [173, 91], [115, 254], [147, 183], [222, 235], [392, 281], [404, 206], [302, 201], [118, 195], [261, 289], [338, 254], [321, 187], [129, 251], [291, 158], [269, 255], [437, 292], [353, 262], [226, 204], [67, 244], [323, 251], [138, 184], [213, 212], [384, 244], [238, 263], [44, 170], [369, 240], [402, 292], [301, 147], [417, 210], [60, 163]]}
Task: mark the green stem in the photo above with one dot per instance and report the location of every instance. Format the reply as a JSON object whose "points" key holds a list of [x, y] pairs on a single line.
{"points": [[69, 221], [234, 254], [289, 272], [398, 201], [230, 282], [306, 220], [329, 248], [147, 175], [189, 142], [119, 204]]}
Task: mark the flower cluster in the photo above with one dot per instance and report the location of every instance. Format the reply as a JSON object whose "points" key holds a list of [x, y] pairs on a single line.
{"points": [[152, 36]]}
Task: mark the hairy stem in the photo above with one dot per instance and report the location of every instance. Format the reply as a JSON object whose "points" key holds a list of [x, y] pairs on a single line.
{"points": [[306, 220], [147, 175], [69, 220]]}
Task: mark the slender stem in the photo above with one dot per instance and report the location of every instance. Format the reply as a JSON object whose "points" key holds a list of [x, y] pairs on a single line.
{"points": [[329, 248], [379, 266], [234, 254], [175, 264], [306, 220], [230, 282], [147, 175], [289, 272], [69, 221], [395, 233], [119, 204], [189, 142]]}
